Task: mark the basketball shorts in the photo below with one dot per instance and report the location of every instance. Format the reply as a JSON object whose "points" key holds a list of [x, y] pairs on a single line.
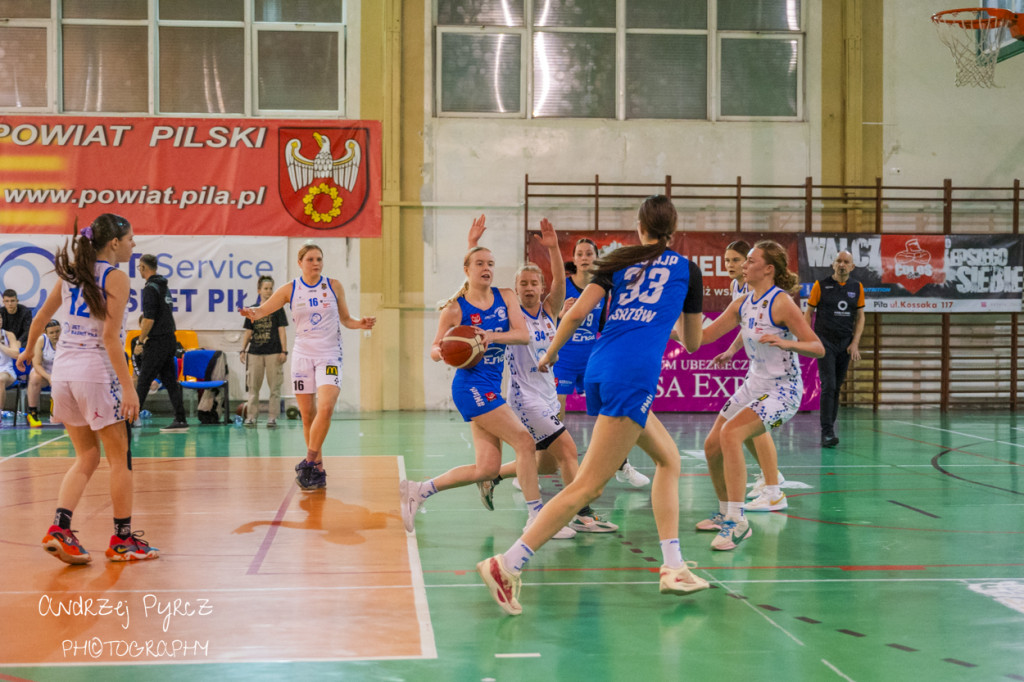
{"points": [[540, 420], [613, 399], [83, 403], [774, 405], [570, 371], [475, 399], [309, 374]]}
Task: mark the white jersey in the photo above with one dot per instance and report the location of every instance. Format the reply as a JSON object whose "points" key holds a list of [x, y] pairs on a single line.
{"points": [[737, 290], [6, 361], [49, 353], [528, 386], [770, 366], [81, 355], [315, 316]]}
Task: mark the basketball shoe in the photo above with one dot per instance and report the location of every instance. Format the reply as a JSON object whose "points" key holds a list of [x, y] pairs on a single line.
{"points": [[734, 531], [306, 474], [409, 498], [765, 503], [564, 533], [487, 494], [681, 580], [132, 548], [713, 522], [64, 545], [759, 485], [591, 524], [628, 474], [503, 585]]}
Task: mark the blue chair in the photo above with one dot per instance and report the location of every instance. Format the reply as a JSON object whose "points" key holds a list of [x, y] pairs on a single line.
{"points": [[194, 366]]}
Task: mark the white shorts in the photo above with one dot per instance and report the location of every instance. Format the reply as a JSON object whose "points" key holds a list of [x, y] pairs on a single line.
{"points": [[83, 403], [309, 374], [540, 420], [775, 405]]}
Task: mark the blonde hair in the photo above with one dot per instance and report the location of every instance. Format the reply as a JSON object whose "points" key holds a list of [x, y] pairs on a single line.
{"points": [[528, 267], [307, 247], [465, 283]]}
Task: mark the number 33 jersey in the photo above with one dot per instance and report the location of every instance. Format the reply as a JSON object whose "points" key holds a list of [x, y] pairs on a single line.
{"points": [[641, 314], [315, 316]]}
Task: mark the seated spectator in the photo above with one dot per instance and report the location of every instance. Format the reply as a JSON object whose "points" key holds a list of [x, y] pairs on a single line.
{"points": [[16, 317]]}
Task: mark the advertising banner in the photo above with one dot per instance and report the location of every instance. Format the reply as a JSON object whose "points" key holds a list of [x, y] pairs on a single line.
{"points": [[209, 277], [688, 382], [181, 176], [905, 273]]}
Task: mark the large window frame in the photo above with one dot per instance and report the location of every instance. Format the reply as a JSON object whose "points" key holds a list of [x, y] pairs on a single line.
{"points": [[713, 34], [54, 26]]}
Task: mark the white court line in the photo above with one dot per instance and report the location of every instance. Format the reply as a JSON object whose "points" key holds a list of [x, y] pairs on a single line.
{"points": [[427, 643], [694, 454], [837, 671], [961, 433], [34, 447], [517, 655], [761, 612], [606, 583]]}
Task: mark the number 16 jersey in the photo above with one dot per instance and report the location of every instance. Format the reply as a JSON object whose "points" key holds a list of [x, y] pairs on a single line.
{"points": [[315, 316]]}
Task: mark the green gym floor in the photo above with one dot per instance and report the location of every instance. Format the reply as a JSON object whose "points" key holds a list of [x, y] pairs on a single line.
{"points": [[901, 557]]}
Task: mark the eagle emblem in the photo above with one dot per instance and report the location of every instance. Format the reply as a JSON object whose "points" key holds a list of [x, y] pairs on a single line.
{"points": [[323, 174]]}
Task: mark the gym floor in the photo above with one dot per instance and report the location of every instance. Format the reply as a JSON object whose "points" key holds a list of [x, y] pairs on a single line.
{"points": [[900, 557]]}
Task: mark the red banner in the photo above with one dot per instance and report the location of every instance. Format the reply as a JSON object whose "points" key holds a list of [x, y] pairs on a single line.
{"points": [[291, 178]]}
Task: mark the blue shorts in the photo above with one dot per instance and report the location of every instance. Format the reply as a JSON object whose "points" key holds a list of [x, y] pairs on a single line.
{"points": [[569, 377], [473, 400], [619, 400]]}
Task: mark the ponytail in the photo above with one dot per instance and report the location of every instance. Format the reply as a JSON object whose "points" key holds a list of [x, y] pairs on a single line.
{"points": [[465, 283], [776, 256], [657, 216], [75, 262]]}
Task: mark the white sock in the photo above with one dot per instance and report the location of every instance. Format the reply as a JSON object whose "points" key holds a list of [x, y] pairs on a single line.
{"points": [[772, 491], [723, 508], [427, 488], [516, 557], [671, 554], [533, 507], [734, 510]]}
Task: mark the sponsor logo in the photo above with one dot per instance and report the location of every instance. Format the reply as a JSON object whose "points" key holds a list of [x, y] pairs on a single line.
{"points": [[491, 396], [315, 318], [475, 318], [915, 262], [477, 399], [332, 370]]}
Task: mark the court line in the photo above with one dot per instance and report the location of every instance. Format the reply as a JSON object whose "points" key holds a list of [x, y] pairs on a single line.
{"points": [[612, 583], [428, 645], [268, 539], [919, 511], [961, 433], [837, 671], [759, 612], [534, 655], [34, 447]]}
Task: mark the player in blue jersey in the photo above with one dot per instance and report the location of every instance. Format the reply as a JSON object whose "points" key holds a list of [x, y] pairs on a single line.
{"points": [[477, 390], [653, 289], [774, 333], [571, 368]]}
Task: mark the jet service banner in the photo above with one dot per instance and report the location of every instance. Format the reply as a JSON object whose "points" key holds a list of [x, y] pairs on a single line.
{"points": [[227, 176]]}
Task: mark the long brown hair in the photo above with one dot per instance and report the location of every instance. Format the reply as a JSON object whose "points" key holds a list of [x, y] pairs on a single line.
{"points": [[75, 262], [658, 217], [776, 256], [465, 283]]}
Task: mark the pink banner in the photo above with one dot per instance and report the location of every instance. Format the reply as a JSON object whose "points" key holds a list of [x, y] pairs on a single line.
{"points": [[688, 382]]}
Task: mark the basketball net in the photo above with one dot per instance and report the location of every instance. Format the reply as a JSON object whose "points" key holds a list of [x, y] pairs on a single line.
{"points": [[974, 36]]}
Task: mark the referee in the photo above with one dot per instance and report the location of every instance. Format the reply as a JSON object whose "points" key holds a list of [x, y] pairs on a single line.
{"points": [[157, 343], [839, 301]]}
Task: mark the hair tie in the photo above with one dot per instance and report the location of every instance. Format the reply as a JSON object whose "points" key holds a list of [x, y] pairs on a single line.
{"points": [[87, 232]]}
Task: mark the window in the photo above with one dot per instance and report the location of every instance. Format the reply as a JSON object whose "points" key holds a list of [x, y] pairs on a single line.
{"points": [[625, 59], [176, 57]]}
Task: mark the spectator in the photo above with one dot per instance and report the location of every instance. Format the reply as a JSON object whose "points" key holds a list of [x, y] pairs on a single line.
{"points": [[263, 354], [16, 317]]}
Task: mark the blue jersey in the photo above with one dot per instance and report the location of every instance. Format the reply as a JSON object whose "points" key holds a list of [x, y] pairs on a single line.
{"points": [[640, 318], [495, 319], [577, 350]]}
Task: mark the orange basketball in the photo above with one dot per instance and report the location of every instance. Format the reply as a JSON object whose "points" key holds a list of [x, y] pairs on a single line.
{"points": [[461, 347]]}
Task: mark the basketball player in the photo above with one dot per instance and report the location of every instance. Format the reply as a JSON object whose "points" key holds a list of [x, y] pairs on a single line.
{"points": [[532, 394], [477, 390], [93, 395], [652, 289], [774, 332], [762, 447], [41, 374], [571, 368], [318, 310]]}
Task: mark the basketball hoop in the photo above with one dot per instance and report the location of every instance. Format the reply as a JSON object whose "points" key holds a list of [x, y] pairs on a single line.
{"points": [[975, 35]]}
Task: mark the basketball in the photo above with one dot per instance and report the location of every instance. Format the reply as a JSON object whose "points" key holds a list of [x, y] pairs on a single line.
{"points": [[461, 347]]}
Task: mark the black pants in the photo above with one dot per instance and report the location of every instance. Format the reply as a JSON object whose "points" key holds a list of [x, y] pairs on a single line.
{"points": [[832, 370], [158, 363]]}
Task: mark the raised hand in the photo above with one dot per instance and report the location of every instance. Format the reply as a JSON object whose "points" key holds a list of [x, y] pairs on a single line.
{"points": [[477, 230]]}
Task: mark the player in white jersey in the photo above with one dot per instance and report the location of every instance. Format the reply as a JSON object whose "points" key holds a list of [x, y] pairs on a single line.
{"points": [[532, 394], [319, 311], [42, 369], [761, 447], [774, 332], [8, 352], [93, 395]]}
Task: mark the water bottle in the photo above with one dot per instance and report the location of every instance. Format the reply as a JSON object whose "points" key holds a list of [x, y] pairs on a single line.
{"points": [[145, 414], [238, 420], [7, 416]]}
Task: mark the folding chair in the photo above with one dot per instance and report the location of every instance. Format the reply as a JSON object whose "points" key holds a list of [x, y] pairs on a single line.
{"points": [[194, 368]]}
